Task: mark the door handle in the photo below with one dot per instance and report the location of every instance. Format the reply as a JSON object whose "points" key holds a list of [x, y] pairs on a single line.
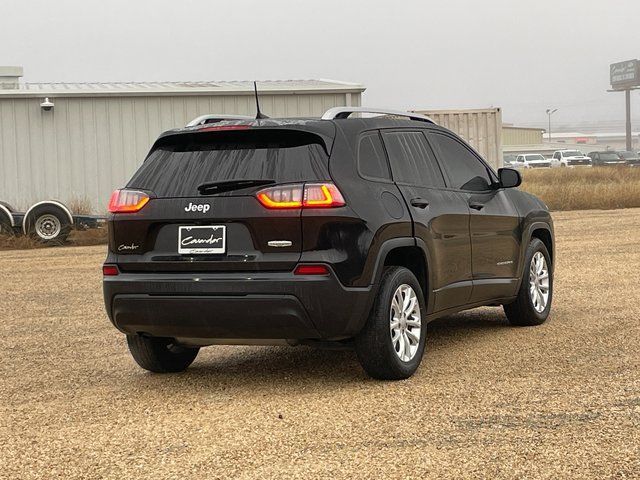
{"points": [[419, 202], [476, 205]]}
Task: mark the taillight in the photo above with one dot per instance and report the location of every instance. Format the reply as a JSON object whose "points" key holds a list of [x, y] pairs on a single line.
{"points": [[284, 196], [110, 270], [127, 201], [209, 128], [310, 195], [322, 195]]}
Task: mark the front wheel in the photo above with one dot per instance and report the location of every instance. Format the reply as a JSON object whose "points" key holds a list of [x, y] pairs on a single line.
{"points": [[533, 303], [392, 342], [160, 355]]}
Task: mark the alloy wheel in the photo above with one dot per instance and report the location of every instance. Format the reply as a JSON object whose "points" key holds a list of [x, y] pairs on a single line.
{"points": [[539, 282], [405, 322]]}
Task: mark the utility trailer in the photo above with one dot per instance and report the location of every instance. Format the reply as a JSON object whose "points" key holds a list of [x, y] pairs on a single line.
{"points": [[48, 221]]}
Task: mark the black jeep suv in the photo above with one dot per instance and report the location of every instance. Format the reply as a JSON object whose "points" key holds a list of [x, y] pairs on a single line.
{"points": [[340, 232]]}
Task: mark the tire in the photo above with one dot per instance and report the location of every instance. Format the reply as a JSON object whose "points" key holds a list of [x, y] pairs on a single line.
{"points": [[48, 224], [525, 311], [160, 355], [379, 355], [5, 224], [5, 220]]}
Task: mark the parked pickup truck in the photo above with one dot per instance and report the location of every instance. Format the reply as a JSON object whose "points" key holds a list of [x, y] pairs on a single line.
{"points": [[49, 221], [534, 160], [570, 158]]}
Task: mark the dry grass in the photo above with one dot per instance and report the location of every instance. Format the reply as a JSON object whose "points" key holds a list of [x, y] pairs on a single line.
{"points": [[585, 188], [490, 401], [77, 238], [80, 206]]}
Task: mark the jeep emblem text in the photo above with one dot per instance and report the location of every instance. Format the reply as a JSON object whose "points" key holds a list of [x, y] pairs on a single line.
{"points": [[202, 207]]}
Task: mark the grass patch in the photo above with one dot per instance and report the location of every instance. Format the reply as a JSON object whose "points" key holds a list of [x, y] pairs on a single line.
{"points": [[585, 188], [77, 238]]}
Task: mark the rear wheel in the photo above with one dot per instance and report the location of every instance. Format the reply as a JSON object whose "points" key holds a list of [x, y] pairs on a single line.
{"points": [[533, 304], [160, 355], [392, 342]]}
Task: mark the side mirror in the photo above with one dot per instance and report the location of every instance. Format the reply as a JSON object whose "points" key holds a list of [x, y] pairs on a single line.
{"points": [[509, 177]]}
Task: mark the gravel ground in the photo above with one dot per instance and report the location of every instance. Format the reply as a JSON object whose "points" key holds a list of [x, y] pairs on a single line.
{"points": [[490, 401]]}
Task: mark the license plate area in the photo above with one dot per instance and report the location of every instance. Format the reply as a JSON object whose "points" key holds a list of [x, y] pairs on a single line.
{"points": [[203, 240]]}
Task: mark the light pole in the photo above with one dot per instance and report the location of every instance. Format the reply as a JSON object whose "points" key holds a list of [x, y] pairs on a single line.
{"points": [[549, 113]]}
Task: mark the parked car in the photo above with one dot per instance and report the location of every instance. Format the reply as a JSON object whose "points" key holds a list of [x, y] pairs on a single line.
{"points": [[631, 158], [335, 232], [509, 160], [570, 158], [534, 160], [607, 159]]}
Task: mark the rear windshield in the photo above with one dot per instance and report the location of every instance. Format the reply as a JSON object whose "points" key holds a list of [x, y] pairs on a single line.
{"points": [[179, 164]]}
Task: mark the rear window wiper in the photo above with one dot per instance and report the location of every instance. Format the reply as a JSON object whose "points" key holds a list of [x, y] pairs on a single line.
{"points": [[209, 188]]}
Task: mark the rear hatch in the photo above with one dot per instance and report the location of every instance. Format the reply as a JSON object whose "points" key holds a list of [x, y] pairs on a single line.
{"points": [[203, 213]]}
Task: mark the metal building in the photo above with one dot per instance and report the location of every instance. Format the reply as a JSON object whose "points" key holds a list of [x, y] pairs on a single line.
{"points": [[79, 141], [512, 135], [481, 128]]}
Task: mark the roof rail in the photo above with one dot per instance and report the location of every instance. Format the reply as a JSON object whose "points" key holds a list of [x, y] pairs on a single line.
{"points": [[344, 112], [216, 117]]}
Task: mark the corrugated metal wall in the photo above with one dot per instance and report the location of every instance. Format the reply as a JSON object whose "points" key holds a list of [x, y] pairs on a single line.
{"points": [[87, 146], [481, 128], [521, 136]]}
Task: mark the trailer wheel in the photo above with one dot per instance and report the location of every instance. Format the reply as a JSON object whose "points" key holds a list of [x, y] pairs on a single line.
{"points": [[5, 224], [5, 219], [48, 223]]}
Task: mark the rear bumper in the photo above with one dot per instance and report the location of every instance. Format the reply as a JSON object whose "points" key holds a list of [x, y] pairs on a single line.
{"points": [[235, 306]]}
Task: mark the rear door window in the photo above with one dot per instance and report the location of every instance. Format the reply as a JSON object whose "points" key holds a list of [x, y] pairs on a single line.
{"points": [[178, 165], [464, 169], [372, 160], [411, 158]]}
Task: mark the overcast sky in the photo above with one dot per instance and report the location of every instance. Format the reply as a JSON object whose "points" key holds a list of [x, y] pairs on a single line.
{"points": [[523, 56]]}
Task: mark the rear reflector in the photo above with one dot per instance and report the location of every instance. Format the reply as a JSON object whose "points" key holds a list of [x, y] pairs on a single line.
{"points": [[127, 201], [110, 270], [310, 195], [311, 270]]}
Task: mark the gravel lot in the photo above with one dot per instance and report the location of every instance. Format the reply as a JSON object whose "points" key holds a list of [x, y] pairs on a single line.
{"points": [[490, 401]]}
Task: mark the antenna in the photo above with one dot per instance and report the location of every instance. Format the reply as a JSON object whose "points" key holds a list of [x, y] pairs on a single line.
{"points": [[259, 114]]}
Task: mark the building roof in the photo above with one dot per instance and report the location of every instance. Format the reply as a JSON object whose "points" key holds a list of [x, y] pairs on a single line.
{"points": [[238, 87], [592, 135]]}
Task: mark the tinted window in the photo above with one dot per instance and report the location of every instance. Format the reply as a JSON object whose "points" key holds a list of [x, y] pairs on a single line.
{"points": [[465, 171], [412, 160], [179, 164], [372, 161]]}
